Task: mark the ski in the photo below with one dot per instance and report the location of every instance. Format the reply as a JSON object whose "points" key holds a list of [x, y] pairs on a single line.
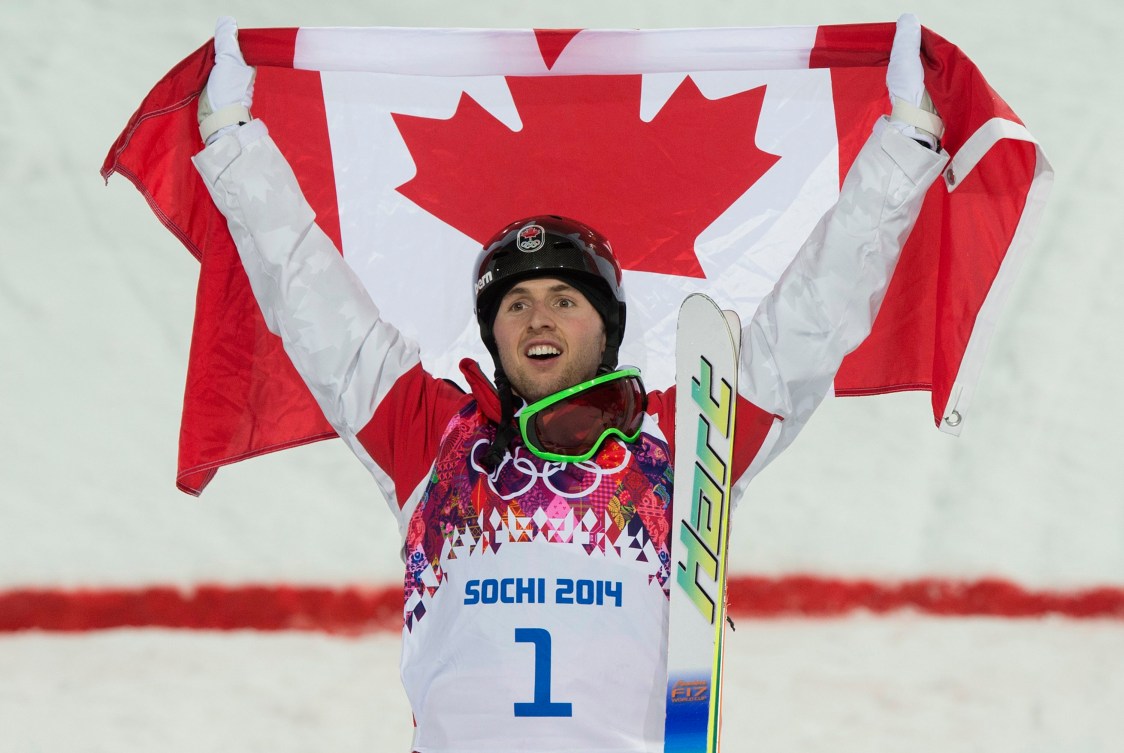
{"points": [[706, 370]]}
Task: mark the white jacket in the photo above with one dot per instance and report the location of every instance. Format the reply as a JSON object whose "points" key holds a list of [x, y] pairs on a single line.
{"points": [[535, 605]]}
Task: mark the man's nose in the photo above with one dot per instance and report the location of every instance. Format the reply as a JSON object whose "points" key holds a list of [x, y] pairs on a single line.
{"points": [[541, 316]]}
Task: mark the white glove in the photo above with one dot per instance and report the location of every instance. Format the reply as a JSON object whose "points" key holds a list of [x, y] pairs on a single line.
{"points": [[225, 102], [913, 112]]}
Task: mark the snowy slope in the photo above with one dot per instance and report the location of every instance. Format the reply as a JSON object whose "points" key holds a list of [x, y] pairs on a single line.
{"points": [[860, 685]]}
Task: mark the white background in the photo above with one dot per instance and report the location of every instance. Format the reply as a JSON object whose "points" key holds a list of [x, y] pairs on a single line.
{"points": [[96, 304]]}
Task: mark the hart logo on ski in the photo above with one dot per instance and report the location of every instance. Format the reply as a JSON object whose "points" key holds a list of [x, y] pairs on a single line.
{"points": [[701, 534], [706, 363]]}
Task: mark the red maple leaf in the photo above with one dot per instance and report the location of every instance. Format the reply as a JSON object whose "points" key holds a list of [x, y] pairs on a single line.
{"points": [[584, 152]]}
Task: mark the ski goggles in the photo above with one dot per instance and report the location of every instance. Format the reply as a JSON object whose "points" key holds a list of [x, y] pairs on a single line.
{"points": [[571, 425]]}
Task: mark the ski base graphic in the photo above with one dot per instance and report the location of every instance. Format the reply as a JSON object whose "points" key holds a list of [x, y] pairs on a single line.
{"points": [[688, 713]]}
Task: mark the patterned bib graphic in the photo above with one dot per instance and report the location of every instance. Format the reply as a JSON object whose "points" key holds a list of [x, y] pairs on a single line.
{"points": [[617, 504]]}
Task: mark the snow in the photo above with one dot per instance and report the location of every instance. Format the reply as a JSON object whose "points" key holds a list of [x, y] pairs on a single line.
{"points": [[859, 684], [96, 303]]}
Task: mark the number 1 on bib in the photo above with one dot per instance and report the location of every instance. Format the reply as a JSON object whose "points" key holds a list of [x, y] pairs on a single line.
{"points": [[706, 372]]}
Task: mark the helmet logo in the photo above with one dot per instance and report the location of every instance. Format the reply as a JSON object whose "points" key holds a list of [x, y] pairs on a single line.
{"points": [[531, 238]]}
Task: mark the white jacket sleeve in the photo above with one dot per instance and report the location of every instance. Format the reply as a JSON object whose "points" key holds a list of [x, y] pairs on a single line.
{"points": [[332, 331], [825, 302]]}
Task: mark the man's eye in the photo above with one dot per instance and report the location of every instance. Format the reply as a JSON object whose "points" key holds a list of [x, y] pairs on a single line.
{"points": [[565, 302]]}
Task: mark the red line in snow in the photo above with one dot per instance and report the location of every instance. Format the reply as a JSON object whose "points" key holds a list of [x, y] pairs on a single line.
{"points": [[813, 596], [209, 607], [354, 610]]}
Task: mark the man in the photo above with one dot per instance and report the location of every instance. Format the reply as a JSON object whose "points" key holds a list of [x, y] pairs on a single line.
{"points": [[537, 555]]}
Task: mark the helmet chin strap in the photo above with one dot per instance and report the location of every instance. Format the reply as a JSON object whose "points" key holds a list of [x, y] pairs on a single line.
{"points": [[505, 430]]}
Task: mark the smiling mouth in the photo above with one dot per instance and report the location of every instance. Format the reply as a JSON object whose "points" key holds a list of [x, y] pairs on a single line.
{"points": [[543, 352]]}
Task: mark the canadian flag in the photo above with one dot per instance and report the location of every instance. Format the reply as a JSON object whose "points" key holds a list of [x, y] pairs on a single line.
{"points": [[705, 155]]}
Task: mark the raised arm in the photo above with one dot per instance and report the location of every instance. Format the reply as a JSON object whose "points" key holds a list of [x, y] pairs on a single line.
{"points": [[365, 376], [825, 303]]}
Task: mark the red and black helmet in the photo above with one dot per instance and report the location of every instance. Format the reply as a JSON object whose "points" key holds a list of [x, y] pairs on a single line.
{"points": [[551, 246]]}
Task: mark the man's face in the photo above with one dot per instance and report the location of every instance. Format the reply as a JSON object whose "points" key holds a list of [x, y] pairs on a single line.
{"points": [[549, 337]]}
